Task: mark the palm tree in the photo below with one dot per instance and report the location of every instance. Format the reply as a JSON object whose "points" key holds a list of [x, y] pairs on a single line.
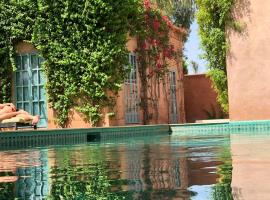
{"points": [[194, 66]]}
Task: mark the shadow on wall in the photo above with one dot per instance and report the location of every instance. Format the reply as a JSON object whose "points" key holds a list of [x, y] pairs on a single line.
{"points": [[242, 8], [241, 14], [214, 113]]}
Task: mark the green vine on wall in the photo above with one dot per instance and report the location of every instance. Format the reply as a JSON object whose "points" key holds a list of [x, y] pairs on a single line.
{"points": [[5, 77], [12, 30], [83, 44], [84, 48], [214, 17]]}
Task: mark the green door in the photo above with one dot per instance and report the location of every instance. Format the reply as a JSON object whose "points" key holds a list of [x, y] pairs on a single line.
{"points": [[30, 94]]}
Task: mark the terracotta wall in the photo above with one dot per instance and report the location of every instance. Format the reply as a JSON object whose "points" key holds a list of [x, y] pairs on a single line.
{"points": [[200, 99], [249, 62], [77, 120], [163, 114], [176, 65]]}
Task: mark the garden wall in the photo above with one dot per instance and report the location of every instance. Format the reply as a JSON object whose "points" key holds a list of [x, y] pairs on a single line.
{"points": [[77, 120], [200, 99], [163, 115], [248, 63]]}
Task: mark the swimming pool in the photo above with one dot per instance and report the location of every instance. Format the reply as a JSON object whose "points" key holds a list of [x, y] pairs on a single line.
{"points": [[214, 166], [210, 161]]}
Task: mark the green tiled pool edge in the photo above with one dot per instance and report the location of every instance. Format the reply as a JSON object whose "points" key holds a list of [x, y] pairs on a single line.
{"points": [[39, 138], [34, 138], [254, 127]]}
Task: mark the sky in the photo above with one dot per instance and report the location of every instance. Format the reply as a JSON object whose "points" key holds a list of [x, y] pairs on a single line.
{"points": [[193, 51]]}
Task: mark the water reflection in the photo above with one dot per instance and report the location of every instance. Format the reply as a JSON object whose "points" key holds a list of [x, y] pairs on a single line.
{"points": [[164, 168], [251, 163], [24, 174]]}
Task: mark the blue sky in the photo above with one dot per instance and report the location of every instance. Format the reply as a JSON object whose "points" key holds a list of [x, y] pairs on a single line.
{"points": [[193, 51], [203, 192]]}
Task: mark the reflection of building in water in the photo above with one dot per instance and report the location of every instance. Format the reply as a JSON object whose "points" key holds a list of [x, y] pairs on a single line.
{"points": [[131, 163], [202, 170], [31, 169], [33, 181], [166, 172], [152, 170]]}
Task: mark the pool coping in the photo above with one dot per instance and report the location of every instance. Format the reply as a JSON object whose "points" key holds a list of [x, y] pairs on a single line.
{"points": [[88, 130], [46, 137], [69, 136], [232, 127]]}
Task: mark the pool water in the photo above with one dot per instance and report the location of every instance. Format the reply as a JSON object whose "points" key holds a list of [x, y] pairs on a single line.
{"points": [[213, 167]]}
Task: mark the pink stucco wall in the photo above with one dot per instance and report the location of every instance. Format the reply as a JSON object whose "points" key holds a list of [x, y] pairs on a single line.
{"points": [[163, 114], [200, 99], [248, 62], [77, 119]]}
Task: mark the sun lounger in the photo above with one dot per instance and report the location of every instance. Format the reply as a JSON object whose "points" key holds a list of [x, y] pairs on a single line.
{"points": [[17, 123]]}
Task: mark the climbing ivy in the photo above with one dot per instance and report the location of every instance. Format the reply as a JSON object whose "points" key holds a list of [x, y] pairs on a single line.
{"points": [[214, 17], [5, 74], [5, 87], [83, 44], [12, 30]]}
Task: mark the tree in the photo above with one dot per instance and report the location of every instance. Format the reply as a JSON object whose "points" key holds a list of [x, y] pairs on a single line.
{"points": [[194, 66], [185, 65], [181, 12], [215, 20]]}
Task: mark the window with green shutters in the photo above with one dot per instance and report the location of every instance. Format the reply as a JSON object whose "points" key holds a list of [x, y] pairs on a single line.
{"points": [[29, 88]]}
